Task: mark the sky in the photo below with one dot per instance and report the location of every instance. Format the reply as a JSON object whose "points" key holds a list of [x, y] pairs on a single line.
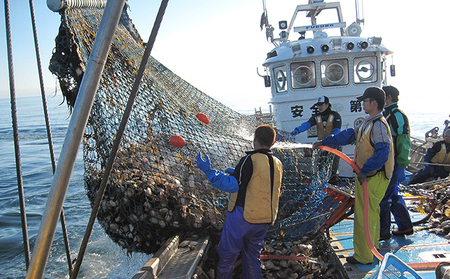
{"points": [[217, 46]]}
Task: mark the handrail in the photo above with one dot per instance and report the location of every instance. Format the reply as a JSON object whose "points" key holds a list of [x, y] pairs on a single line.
{"points": [[74, 135]]}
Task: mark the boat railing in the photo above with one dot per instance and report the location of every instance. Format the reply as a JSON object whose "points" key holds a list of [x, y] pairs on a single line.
{"points": [[313, 10]]}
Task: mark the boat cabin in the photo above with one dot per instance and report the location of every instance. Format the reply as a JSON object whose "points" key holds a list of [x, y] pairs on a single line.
{"points": [[340, 67]]}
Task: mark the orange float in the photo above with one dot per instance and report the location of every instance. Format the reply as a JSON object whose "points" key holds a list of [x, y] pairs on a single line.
{"points": [[177, 141], [203, 118]]}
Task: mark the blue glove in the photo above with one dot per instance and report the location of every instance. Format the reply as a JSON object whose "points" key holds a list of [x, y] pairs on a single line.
{"points": [[317, 143], [229, 171], [305, 126], [401, 176], [227, 183], [361, 177], [336, 131], [205, 166]]}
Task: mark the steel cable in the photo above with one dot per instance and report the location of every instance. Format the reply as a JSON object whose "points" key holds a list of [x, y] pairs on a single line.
{"points": [[49, 132], [23, 215]]}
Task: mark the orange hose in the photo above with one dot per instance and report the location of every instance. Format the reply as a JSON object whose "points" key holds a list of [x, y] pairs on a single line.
{"points": [[366, 198], [426, 265]]}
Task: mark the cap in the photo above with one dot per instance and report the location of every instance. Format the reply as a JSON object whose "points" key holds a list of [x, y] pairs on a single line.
{"points": [[447, 132], [391, 90], [323, 99], [373, 92]]}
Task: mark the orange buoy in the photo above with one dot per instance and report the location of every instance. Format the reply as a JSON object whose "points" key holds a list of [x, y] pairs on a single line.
{"points": [[177, 141], [203, 118]]}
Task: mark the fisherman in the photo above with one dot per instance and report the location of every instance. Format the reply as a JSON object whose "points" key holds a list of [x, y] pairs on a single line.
{"points": [[374, 155], [433, 159], [328, 121], [255, 185], [393, 201]]}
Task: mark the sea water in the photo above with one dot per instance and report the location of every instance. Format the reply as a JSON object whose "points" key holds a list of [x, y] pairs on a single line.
{"points": [[103, 258]]}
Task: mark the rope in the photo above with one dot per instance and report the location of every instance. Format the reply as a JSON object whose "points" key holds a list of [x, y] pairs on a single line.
{"points": [[431, 164], [118, 137], [23, 217], [47, 125]]}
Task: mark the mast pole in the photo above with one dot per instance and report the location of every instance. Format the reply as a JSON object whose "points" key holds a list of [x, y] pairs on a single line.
{"points": [[72, 141]]}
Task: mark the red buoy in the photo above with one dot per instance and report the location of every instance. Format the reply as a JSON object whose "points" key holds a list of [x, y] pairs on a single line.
{"points": [[177, 141], [203, 118]]}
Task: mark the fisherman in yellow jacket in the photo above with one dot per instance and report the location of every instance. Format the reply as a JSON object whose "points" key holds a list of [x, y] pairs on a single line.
{"points": [[437, 159], [328, 121], [255, 187], [374, 155]]}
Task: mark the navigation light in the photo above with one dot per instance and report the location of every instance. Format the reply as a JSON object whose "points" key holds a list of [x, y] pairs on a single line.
{"points": [[296, 48], [363, 44], [282, 24], [337, 43], [350, 45], [376, 41], [325, 47]]}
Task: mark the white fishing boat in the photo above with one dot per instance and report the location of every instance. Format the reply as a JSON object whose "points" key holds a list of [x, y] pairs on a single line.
{"points": [[327, 57], [153, 195]]}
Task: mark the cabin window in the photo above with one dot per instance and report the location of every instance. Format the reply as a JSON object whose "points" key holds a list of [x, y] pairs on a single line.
{"points": [[334, 72], [365, 69], [280, 79], [303, 74]]}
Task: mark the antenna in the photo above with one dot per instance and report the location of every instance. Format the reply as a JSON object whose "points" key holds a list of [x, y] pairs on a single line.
{"points": [[359, 12]]}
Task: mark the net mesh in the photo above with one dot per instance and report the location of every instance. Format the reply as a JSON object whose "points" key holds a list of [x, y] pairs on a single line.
{"points": [[155, 188]]}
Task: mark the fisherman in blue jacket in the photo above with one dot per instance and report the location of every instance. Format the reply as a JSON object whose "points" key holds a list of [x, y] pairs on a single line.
{"points": [[328, 121], [393, 201], [437, 161], [255, 187], [374, 155]]}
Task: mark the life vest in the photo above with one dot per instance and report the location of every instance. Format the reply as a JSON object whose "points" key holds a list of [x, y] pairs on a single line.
{"points": [[261, 197], [364, 149], [324, 131], [442, 157], [398, 118]]}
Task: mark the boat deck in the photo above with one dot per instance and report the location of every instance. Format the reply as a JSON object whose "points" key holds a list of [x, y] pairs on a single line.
{"points": [[422, 246]]}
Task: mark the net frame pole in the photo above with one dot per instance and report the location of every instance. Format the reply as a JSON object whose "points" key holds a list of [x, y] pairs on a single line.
{"points": [[74, 135], [118, 137]]}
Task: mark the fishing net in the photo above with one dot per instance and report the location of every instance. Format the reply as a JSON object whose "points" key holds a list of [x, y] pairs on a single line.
{"points": [[155, 188]]}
